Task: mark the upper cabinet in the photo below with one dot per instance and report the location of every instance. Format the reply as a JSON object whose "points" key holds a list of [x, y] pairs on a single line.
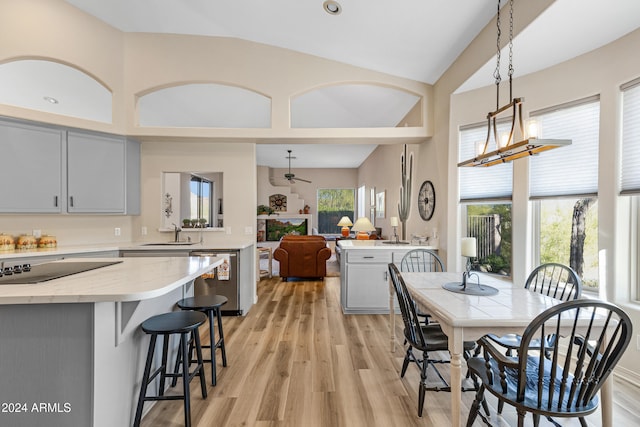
{"points": [[95, 173], [31, 173], [54, 171]]}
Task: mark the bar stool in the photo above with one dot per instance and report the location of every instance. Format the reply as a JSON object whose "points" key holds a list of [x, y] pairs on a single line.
{"points": [[209, 304], [178, 322]]}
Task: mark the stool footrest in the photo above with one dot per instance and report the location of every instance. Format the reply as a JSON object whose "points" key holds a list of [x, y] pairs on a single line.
{"points": [[172, 397]]}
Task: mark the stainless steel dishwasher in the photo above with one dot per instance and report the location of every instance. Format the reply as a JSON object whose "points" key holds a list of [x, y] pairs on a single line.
{"points": [[215, 286]]}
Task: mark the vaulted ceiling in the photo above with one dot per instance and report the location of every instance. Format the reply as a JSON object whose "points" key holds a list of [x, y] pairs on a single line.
{"points": [[414, 39]]}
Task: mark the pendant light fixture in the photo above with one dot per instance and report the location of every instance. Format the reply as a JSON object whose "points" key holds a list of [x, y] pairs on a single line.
{"points": [[506, 147]]}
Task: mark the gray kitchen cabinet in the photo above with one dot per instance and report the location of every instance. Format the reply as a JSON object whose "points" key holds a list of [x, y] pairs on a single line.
{"points": [[103, 174], [53, 170], [32, 171], [95, 173]]}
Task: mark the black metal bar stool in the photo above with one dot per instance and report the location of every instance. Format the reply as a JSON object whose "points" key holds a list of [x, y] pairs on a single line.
{"points": [[209, 304], [178, 322]]}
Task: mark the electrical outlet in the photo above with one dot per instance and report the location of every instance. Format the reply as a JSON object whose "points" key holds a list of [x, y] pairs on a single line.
{"points": [[116, 231], [143, 231], [227, 230], [248, 230], [37, 233]]}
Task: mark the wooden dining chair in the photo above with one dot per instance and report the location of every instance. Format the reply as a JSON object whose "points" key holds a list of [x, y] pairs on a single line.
{"points": [[422, 337], [552, 279], [421, 260], [559, 377]]}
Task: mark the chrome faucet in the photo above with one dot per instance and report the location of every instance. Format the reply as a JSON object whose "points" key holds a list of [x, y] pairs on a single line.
{"points": [[176, 231]]}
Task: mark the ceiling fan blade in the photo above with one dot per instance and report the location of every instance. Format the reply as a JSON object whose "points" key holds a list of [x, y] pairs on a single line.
{"points": [[289, 176]]}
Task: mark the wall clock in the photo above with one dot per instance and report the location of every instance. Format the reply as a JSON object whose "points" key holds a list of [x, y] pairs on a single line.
{"points": [[278, 202], [426, 200]]}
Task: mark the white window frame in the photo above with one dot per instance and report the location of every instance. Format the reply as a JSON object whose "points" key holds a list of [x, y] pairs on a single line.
{"points": [[634, 205]]}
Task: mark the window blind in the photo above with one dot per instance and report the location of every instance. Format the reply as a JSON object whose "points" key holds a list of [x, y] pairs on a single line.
{"points": [[630, 164], [570, 170], [483, 183]]}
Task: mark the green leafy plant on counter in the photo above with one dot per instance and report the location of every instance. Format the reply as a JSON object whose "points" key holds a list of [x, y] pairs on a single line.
{"points": [[264, 210]]}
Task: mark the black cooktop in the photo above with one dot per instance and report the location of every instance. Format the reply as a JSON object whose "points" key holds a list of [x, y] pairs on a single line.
{"points": [[52, 270]]}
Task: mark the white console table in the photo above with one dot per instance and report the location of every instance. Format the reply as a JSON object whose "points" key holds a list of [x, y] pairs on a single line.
{"points": [[364, 285]]}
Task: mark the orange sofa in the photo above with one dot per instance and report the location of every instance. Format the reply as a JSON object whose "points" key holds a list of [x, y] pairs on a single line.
{"points": [[302, 256]]}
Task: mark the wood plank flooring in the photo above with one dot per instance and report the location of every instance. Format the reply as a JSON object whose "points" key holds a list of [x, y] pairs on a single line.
{"points": [[296, 360]]}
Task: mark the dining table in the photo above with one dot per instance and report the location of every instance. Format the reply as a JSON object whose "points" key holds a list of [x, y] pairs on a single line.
{"points": [[467, 317]]}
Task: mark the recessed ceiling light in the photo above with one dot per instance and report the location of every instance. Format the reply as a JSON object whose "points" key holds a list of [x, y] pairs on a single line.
{"points": [[50, 100], [332, 7]]}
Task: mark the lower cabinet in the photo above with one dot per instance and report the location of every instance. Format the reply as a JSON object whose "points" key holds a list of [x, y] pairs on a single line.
{"points": [[365, 286], [368, 290], [364, 278]]}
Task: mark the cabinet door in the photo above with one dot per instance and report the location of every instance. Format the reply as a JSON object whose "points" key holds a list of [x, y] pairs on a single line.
{"points": [[95, 173], [367, 287], [31, 174]]}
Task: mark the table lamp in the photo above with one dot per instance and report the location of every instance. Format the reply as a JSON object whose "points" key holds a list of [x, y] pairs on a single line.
{"points": [[362, 227], [469, 250], [393, 221], [345, 223]]}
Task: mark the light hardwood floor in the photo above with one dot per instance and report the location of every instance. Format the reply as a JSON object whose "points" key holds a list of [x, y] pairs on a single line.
{"points": [[296, 360]]}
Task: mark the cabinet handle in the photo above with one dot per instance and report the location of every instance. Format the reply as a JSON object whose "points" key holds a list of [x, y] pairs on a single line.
{"points": [[368, 257], [71, 201], [55, 201], [386, 276]]}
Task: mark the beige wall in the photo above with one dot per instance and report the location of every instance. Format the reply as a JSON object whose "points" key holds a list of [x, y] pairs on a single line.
{"points": [[54, 30], [383, 171], [131, 64], [236, 161]]}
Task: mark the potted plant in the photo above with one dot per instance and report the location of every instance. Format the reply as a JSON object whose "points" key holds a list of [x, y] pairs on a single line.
{"points": [[186, 223], [202, 222], [264, 210]]}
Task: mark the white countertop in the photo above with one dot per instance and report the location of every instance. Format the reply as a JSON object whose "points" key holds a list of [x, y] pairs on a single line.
{"points": [[138, 246], [227, 244], [378, 244], [133, 279]]}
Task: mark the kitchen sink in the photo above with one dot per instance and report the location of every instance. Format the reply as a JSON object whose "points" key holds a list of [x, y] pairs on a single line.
{"points": [[170, 244]]}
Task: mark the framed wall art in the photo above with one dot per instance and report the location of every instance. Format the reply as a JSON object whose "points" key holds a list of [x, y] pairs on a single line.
{"points": [[380, 204]]}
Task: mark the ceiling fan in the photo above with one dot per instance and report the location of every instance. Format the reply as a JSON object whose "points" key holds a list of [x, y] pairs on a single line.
{"points": [[291, 177]]}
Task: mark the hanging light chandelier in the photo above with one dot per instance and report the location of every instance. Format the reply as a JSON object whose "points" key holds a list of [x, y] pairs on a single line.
{"points": [[506, 147]]}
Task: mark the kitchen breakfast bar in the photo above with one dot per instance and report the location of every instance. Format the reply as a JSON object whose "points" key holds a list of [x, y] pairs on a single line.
{"points": [[71, 350]]}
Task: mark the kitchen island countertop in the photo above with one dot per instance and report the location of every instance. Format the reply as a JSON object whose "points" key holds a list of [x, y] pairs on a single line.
{"points": [[132, 279]]}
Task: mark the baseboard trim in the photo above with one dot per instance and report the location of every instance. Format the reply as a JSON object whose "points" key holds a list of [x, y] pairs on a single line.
{"points": [[625, 374]]}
